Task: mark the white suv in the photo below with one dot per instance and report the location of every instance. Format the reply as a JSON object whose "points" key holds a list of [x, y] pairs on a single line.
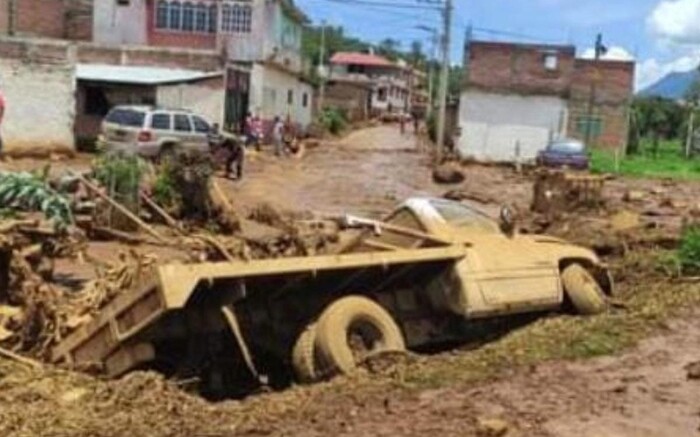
{"points": [[153, 132]]}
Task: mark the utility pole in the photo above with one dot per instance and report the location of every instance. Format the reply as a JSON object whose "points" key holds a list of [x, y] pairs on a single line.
{"points": [[444, 79], [434, 36], [322, 68], [600, 50]]}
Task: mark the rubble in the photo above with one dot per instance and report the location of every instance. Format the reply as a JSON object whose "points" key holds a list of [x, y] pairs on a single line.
{"points": [[448, 174]]}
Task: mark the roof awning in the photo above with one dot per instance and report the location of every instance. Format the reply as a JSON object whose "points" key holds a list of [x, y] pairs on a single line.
{"points": [[133, 75]]}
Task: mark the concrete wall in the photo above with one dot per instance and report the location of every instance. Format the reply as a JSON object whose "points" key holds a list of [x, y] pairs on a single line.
{"points": [[40, 107], [492, 124], [269, 90], [119, 24], [205, 98]]}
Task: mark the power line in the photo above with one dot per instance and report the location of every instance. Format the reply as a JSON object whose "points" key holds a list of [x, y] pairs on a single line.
{"points": [[384, 4]]}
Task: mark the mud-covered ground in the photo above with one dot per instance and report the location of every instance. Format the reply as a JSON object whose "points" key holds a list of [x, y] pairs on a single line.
{"points": [[532, 382]]}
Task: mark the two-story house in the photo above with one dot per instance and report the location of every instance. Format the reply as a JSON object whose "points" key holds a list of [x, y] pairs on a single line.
{"points": [[259, 39], [388, 80], [517, 97]]}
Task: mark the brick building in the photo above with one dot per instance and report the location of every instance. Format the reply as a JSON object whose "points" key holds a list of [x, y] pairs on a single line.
{"points": [[517, 97], [62, 19], [260, 39]]}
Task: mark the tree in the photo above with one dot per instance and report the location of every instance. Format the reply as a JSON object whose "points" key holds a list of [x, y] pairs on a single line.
{"points": [[416, 56], [389, 47]]}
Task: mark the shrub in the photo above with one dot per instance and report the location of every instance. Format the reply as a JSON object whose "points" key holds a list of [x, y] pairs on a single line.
{"points": [[121, 175], [333, 120], [689, 250]]}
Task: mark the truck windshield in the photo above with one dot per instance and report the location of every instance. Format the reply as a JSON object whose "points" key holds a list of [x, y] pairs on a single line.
{"points": [[460, 215]]}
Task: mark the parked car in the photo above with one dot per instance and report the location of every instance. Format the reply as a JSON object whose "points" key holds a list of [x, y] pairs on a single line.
{"points": [[566, 152], [153, 132]]}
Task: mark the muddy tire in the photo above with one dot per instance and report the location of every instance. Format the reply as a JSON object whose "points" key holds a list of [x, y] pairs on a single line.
{"points": [[352, 329], [583, 290], [303, 356]]}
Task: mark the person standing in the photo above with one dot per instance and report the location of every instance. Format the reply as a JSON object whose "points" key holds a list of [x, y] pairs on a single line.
{"points": [[278, 135]]}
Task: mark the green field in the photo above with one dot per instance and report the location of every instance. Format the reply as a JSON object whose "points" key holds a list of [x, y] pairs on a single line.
{"points": [[667, 162]]}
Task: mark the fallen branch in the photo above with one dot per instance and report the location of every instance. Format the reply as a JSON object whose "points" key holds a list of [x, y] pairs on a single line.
{"points": [[121, 208], [20, 359], [161, 212]]}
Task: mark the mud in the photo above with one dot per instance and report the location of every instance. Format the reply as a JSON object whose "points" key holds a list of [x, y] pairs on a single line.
{"points": [[643, 392]]}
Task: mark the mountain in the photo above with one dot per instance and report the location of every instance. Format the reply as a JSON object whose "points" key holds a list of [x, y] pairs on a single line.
{"points": [[672, 86]]}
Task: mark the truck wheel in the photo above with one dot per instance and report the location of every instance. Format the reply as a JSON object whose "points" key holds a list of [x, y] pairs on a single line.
{"points": [[303, 356], [583, 290], [352, 329]]}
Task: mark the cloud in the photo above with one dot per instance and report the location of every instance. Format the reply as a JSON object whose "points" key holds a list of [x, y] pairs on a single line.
{"points": [[651, 70], [615, 53], [676, 21]]}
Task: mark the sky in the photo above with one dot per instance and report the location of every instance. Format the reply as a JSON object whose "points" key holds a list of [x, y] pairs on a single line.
{"points": [[661, 35]]}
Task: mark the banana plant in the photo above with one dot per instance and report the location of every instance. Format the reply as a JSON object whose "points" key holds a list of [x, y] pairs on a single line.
{"points": [[28, 191]]}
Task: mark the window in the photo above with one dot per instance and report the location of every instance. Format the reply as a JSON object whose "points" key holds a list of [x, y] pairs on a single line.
{"points": [[290, 97], [213, 18], [381, 94], [567, 147], [175, 14], [160, 121], [592, 126], [188, 17], [460, 215], [201, 18], [162, 15], [550, 61], [236, 18], [200, 125], [305, 100], [126, 117], [182, 123]]}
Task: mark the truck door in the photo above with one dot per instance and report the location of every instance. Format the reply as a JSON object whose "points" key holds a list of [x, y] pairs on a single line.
{"points": [[513, 276]]}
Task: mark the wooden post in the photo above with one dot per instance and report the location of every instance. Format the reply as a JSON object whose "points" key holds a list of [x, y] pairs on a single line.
{"points": [[691, 128]]}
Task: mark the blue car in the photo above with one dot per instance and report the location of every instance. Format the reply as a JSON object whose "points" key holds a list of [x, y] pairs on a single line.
{"points": [[564, 153]]}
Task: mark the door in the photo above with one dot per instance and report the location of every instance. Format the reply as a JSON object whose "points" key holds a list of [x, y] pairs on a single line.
{"points": [[184, 131], [236, 103], [202, 129], [514, 276]]}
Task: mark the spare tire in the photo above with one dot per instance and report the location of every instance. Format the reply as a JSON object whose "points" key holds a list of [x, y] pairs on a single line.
{"points": [[352, 329], [583, 290], [303, 356]]}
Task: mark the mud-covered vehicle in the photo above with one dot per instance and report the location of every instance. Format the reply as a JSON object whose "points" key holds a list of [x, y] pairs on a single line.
{"points": [[426, 275]]}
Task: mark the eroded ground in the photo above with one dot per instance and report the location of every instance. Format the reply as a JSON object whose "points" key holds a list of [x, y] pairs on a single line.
{"points": [[520, 385]]}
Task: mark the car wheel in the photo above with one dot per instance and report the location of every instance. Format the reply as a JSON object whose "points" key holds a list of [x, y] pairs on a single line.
{"points": [[304, 356], [583, 290], [351, 330]]}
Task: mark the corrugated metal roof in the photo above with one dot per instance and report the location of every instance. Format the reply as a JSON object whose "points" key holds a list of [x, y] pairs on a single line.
{"points": [[129, 74], [357, 58]]}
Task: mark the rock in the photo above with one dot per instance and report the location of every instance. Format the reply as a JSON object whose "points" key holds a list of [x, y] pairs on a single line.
{"points": [[693, 370], [491, 427], [448, 174], [633, 196], [625, 220]]}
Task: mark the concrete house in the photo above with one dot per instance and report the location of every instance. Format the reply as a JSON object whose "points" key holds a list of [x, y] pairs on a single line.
{"points": [[259, 39], [388, 80], [517, 97]]}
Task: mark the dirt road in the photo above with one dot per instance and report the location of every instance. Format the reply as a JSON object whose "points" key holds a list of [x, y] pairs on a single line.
{"points": [[642, 393]]}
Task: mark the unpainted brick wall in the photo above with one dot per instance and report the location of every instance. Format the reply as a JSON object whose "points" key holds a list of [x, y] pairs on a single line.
{"points": [[65, 19]]}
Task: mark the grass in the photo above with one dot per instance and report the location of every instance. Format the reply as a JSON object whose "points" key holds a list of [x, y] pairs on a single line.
{"points": [[668, 162]]}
